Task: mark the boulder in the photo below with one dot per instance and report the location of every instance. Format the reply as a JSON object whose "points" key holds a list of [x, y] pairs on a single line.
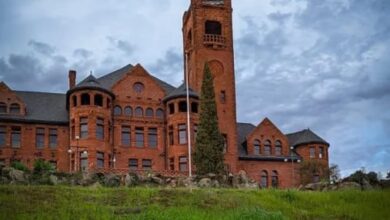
{"points": [[112, 180], [96, 185], [242, 177], [349, 185], [53, 180], [204, 183], [211, 175], [157, 180], [215, 184], [315, 186], [17, 176], [366, 185], [129, 180]]}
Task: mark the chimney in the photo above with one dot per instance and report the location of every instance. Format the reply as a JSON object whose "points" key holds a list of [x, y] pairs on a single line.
{"points": [[72, 79]]}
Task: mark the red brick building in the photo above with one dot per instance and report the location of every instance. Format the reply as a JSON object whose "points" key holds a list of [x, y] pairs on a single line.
{"points": [[130, 120]]}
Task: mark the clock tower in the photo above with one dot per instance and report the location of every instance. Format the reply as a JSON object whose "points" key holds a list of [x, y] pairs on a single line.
{"points": [[208, 38]]}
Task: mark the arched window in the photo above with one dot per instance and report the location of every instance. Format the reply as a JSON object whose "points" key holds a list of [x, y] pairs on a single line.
{"points": [[183, 106], [139, 112], [213, 27], [275, 179], [267, 147], [14, 108], [264, 179], [160, 113], [149, 112], [3, 107], [98, 100], [128, 111], [117, 110], [85, 99], [278, 148], [256, 147]]}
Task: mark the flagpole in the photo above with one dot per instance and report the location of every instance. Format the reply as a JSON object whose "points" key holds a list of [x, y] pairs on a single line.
{"points": [[188, 118]]}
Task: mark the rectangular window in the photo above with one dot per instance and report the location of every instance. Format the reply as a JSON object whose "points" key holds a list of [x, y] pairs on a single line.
{"points": [[152, 137], [100, 129], [225, 144], [83, 127], [146, 164], [3, 133], [15, 137], [172, 163], [183, 163], [182, 134], [139, 137], [195, 131], [73, 132], [83, 161], [100, 160], [133, 164], [170, 135], [321, 153], [53, 137], [223, 96], [126, 139], [312, 152], [40, 138]]}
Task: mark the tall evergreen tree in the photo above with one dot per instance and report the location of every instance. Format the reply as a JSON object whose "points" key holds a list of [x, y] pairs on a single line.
{"points": [[208, 155]]}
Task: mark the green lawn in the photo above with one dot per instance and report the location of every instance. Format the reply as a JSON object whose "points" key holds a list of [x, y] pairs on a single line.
{"points": [[60, 202]]}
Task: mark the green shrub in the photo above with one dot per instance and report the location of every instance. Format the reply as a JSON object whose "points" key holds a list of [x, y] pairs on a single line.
{"points": [[19, 166], [41, 166]]}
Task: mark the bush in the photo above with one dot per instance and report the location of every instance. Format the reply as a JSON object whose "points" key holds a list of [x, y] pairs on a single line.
{"points": [[41, 166], [19, 166]]}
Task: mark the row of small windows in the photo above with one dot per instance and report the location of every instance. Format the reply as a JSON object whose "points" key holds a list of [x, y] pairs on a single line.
{"points": [[321, 152], [146, 164], [99, 131], [138, 112], [182, 163], [14, 108], [265, 178], [266, 149], [40, 137], [85, 99], [139, 135], [182, 107]]}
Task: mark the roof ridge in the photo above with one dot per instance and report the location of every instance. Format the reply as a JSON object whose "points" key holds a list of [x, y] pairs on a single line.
{"points": [[52, 93]]}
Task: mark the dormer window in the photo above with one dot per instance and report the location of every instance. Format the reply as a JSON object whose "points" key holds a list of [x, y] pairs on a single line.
{"points": [[14, 108]]}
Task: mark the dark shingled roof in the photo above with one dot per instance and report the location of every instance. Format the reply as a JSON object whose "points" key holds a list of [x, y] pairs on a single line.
{"points": [[107, 81], [41, 107], [90, 82], [243, 129], [304, 137], [181, 91]]}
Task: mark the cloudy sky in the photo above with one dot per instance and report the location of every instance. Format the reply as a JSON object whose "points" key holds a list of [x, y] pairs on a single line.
{"points": [[318, 64]]}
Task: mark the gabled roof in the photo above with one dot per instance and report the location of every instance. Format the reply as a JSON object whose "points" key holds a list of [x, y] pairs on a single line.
{"points": [[181, 91], [41, 107], [304, 137], [109, 80]]}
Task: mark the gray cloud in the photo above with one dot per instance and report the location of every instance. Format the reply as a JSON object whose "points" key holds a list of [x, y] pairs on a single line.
{"points": [[42, 48], [335, 81]]}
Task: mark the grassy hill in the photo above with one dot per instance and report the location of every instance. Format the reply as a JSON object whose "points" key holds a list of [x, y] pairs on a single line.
{"points": [[57, 202]]}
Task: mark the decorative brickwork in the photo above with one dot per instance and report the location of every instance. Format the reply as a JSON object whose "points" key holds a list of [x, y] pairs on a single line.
{"points": [[128, 120]]}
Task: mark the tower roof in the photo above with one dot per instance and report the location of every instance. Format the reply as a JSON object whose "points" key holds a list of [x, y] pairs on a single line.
{"points": [[306, 136], [181, 91]]}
